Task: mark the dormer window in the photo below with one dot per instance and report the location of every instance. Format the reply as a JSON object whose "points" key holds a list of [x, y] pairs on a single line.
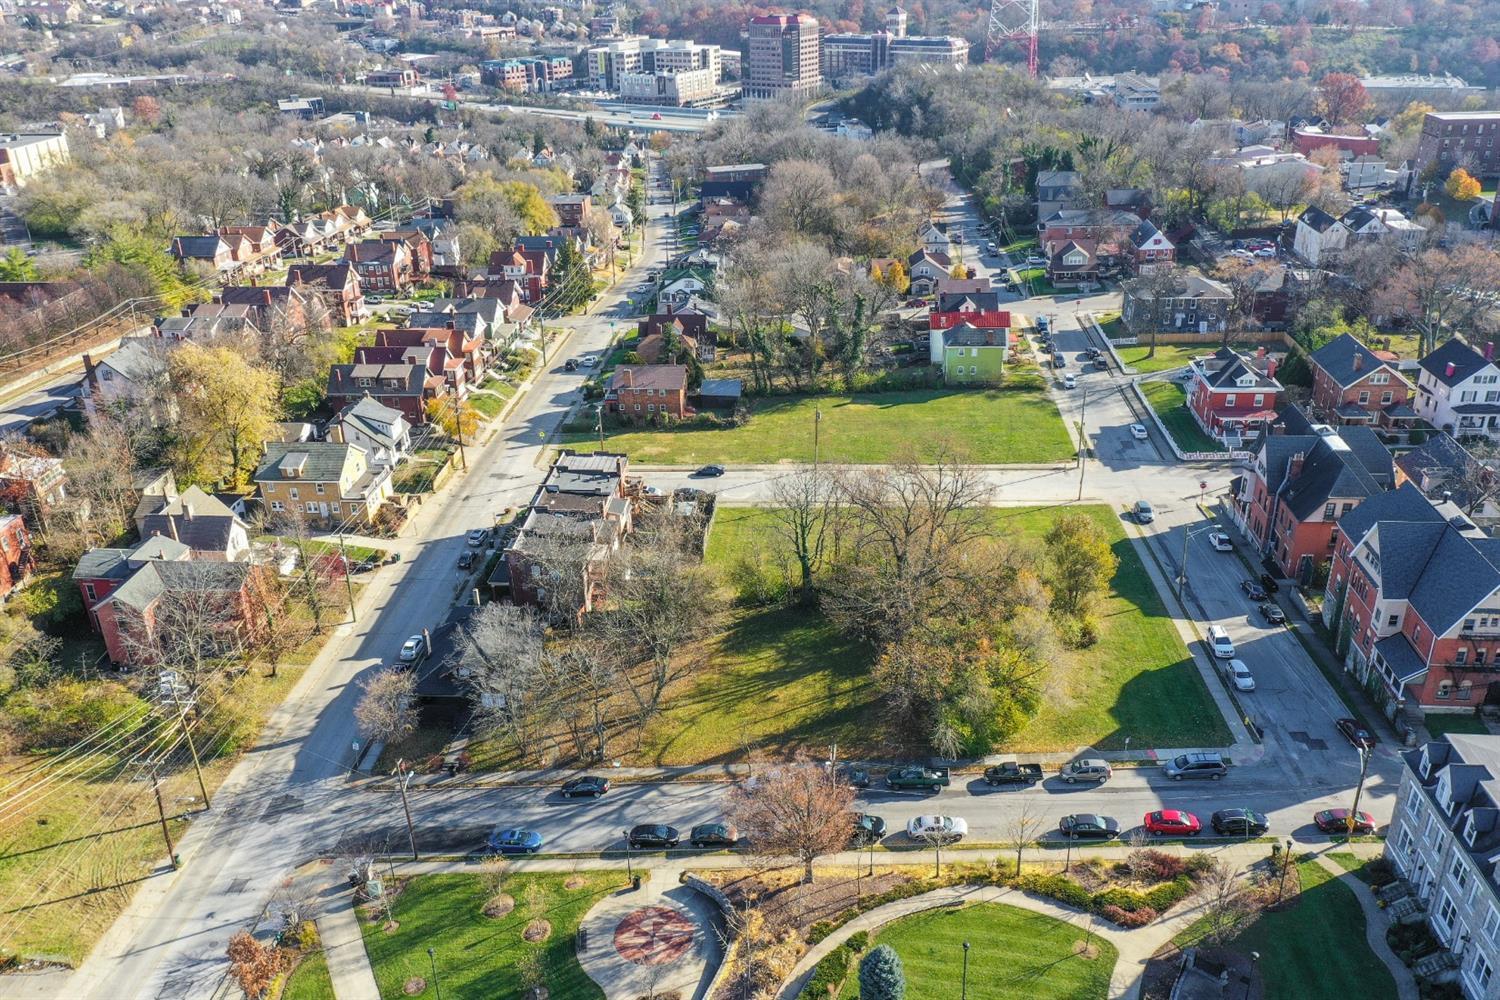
{"points": [[1244, 381]]}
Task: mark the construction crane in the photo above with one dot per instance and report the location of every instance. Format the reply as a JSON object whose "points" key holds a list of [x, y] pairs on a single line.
{"points": [[1012, 20]]}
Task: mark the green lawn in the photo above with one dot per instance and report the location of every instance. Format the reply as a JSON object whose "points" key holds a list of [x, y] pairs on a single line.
{"points": [[1169, 400], [487, 405], [477, 956], [310, 980], [1014, 954], [1318, 941], [1439, 725], [1019, 425], [1167, 356]]}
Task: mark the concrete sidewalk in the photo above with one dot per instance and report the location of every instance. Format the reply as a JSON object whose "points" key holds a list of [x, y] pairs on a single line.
{"points": [[1376, 922], [661, 938]]}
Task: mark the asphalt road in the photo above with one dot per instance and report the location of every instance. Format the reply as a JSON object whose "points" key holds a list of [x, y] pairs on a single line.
{"points": [[20, 411]]}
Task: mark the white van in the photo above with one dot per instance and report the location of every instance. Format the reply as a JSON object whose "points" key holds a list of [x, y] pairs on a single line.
{"points": [[1219, 642]]}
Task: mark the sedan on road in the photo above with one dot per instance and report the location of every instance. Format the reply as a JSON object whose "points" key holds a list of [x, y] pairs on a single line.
{"points": [[1357, 735], [713, 835], [1240, 673], [1138, 431], [1273, 613], [1337, 821], [414, 649], [1220, 541], [868, 829], [1253, 590], [478, 536], [1172, 823], [1239, 823], [938, 829], [710, 472], [654, 835], [591, 785], [1089, 826], [515, 842]]}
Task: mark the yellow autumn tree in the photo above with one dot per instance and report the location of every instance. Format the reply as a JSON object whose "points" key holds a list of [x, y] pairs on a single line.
{"points": [[1461, 186], [460, 420], [227, 407]]}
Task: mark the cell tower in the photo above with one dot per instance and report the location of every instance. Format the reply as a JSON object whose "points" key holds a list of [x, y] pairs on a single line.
{"points": [[1011, 20]]}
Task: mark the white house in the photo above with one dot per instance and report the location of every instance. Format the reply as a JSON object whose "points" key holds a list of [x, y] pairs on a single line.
{"points": [[1458, 391], [135, 373], [1319, 236], [380, 430], [926, 269], [623, 220], [934, 239]]}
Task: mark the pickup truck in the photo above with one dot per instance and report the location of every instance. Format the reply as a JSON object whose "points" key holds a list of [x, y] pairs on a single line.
{"points": [[931, 778], [1011, 773]]}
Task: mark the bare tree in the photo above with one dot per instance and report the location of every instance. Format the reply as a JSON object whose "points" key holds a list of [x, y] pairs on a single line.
{"points": [[1225, 904], [802, 509], [796, 810], [386, 711], [503, 659], [588, 673], [1246, 280], [1443, 290], [1158, 288], [1283, 186], [1024, 826]]}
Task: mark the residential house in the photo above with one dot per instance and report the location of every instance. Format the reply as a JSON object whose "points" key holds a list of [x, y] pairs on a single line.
{"points": [[643, 392], [196, 519], [527, 270], [968, 353], [977, 308], [212, 251], [270, 306], [417, 244], [1136, 201], [1458, 390], [134, 374], [443, 236], [933, 237], [404, 387], [1194, 304], [690, 330], [1098, 225], [1444, 843], [433, 356], [31, 485], [384, 266], [1445, 471], [339, 286], [926, 269], [382, 431], [259, 247], [1387, 225], [572, 209], [206, 321], [1302, 478], [680, 287], [1232, 395], [1319, 236], [620, 215], [458, 334], [1073, 263], [1057, 190], [17, 557], [1354, 385], [1149, 247], [332, 484]]}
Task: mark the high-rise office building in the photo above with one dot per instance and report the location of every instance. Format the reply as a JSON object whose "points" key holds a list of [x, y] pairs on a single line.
{"points": [[782, 57]]}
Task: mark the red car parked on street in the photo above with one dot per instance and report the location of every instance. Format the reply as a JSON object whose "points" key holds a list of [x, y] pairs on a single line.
{"points": [[1173, 823]]}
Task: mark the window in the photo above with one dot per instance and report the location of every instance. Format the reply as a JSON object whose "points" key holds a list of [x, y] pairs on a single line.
{"points": [[1491, 926], [1465, 690], [650, 407], [973, 369], [637, 407], [1478, 972], [1328, 511], [1447, 915], [1386, 397], [1461, 657], [88, 591], [1392, 620], [293, 491], [277, 506], [1364, 397], [319, 488], [1229, 399], [334, 507], [1414, 803], [1445, 690], [1459, 873], [1260, 400]]}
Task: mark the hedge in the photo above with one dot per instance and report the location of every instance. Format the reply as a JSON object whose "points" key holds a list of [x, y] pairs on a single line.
{"points": [[828, 976], [1109, 902]]}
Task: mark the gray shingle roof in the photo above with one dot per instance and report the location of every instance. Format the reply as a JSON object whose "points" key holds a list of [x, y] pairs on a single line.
{"points": [[101, 564], [1317, 218], [318, 461], [968, 335], [137, 358], [1405, 504], [200, 521], [157, 578], [1397, 652], [1464, 359], [1337, 358], [1458, 577]]}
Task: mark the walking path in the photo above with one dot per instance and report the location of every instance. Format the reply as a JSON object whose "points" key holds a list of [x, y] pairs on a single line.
{"points": [[343, 943], [663, 937], [1375, 925]]}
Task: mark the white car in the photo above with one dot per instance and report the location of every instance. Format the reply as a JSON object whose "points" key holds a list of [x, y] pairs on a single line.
{"points": [[1266, 252], [946, 829], [478, 537], [1220, 541], [1070, 381], [589, 360], [1220, 643], [1036, 261], [1138, 431], [1242, 254], [414, 649], [1244, 680]]}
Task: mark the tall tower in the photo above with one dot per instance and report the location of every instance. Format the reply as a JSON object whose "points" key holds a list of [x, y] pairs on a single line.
{"points": [[1013, 19], [895, 22]]}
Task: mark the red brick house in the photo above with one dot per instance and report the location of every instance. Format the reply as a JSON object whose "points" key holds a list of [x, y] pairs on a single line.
{"points": [[384, 266], [572, 209], [461, 347], [270, 305], [1413, 599], [1149, 246], [527, 269], [17, 558], [418, 244], [641, 392], [1232, 395], [259, 240], [404, 387], [433, 356], [1354, 385], [338, 284]]}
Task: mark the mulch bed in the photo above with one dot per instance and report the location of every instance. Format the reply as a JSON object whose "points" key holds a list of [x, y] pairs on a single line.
{"points": [[800, 906]]}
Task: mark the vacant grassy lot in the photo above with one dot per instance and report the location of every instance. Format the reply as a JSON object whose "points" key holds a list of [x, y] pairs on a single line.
{"points": [[477, 956], [1440, 725], [1014, 954], [1317, 941], [1169, 400], [782, 680], [1167, 356], [992, 426]]}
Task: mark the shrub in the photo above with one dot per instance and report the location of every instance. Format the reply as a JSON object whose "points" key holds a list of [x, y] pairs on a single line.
{"points": [[755, 584], [1058, 887], [1379, 872], [631, 358], [820, 930], [1088, 630], [54, 715], [828, 975], [1199, 865], [858, 941], [1157, 866], [1169, 894], [1127, 918]]}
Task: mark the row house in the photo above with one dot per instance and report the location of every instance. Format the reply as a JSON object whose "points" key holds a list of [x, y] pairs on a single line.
{"points": [[404, 387], [526, 269], [206, 321], [329, 483], [1354, 385], [1413, 598], [1458, 390], [338, 284], [258, 244], [417, 245], [642, 392], [1232, 395], [384, 266], [17, 556], [493, 319], [431, 354], [268, 306]]}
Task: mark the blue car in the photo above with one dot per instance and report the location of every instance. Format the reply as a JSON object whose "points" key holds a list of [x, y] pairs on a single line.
{"points": [[515, 842]]}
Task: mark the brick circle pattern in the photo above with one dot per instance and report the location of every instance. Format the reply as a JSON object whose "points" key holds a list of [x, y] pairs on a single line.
{"points": [[654, 935]]}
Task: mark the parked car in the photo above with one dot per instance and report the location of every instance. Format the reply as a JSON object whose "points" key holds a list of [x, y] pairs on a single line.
{"points": [[478, 536], [515, 841], [1139, 432], [710, 472], [1357, 735], [1220, 541], [1089, 826], [466, 560], [855, 777], [1094, 352], [1199, 764], [942, 829], [713, 835], [930, 778], [1036, 260], [589, 360], [570, 365], [1101, 364], [1266, 252], [654, 835], [1253, 590], [1143, 512], [1011, 773], [1058, 361], [415, 649], [1220, 643], [1240, 674], [1086, 769], [1273, 613], [1070, 381], [1337, 821], [1269, 582], [591, 785], [1172, 823], [868, 830], [1239, 823]]}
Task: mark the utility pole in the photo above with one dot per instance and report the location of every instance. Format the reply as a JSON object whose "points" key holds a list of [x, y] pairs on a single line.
{"points": [[161, 814], [817, 423], [599, 420], [187, 735], [1364, 768], [1182, 566], [458, 428], [403, 778], [348, 584]]}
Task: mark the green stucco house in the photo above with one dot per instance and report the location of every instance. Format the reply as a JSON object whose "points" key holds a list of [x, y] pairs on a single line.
{"points": [[970, 354]]}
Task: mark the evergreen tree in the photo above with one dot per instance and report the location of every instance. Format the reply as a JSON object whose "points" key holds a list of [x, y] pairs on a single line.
{"points": [[572, 280], [881, 976]]}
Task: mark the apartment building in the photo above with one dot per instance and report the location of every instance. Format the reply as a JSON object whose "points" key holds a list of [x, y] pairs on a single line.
{"points": [[1459, 139], [607, 64], [782, 57], [26, 155]]}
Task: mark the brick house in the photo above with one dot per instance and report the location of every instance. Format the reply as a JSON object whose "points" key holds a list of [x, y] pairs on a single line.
{"points": [[1300, 481], [572, 209], [463, 347], [384, 266], [1413, 599], [691, 327], [270, 305], [1149, 247], [404, 387], [1354, 385], [433, 356], [17, 558], [1194, 304], [526, 269], [31, 485], [260, 241], [640, 392], [330, 483], [418, 244], [338, 284], [1231, 395], [1086, 224]]}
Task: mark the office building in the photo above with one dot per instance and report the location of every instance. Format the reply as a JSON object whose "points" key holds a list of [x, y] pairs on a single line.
{"points": [[1459, 139], [782, 57], [847, 57], [606, 64]]}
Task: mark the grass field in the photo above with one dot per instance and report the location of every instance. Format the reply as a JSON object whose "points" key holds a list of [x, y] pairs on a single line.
{"points": [[1014, 954], [1441, 724], [1169, 400], [478, 956], [992, 427], [310, 980], [782, 680], [1318, 941], [1167, 356]]}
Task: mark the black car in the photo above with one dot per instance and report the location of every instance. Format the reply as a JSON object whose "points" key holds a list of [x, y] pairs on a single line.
{"points": [[1253, 590], [1094, 352], [1089, 826], [1273, 613], [589, 784], [654, 835], [868, 829], [1357, 735], [710, 471], [466, 561], [854, 777], [1269, 582], [713, 835], [1239, 823]]}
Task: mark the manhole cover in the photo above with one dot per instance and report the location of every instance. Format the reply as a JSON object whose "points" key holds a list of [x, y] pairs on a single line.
{"points": [[238, 885]]}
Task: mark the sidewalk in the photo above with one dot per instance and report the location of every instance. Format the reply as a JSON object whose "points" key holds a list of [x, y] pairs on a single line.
{"points": [[661, 938], [1375, 924]]}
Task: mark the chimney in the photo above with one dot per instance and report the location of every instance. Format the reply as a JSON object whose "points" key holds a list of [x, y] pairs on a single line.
{"points": [[1448, 371], [1294, 467], [172, 528], [1359, 361], [1271, 368], [253, 281], [1489, 350], [1260, 352], [187, 512]]}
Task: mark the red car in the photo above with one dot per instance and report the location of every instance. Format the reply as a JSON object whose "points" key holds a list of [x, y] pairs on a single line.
{"points": [[656, 117], [1173, 822], [1337, 821]]}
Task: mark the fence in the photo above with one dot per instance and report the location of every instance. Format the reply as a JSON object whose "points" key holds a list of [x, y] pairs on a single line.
{"points": [[1185, 456]]}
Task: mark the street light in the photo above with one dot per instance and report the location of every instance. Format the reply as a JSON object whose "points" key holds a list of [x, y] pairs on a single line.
{"points": [[1250, 981], [432, 958], [629, 871], [1187, 535], [966, 972], [1286, 864]]}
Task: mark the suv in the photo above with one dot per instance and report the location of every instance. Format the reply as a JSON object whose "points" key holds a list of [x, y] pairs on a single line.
{"points": [[1196, 765], [1087, 769], [1143, 512], [1220, 643]]}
